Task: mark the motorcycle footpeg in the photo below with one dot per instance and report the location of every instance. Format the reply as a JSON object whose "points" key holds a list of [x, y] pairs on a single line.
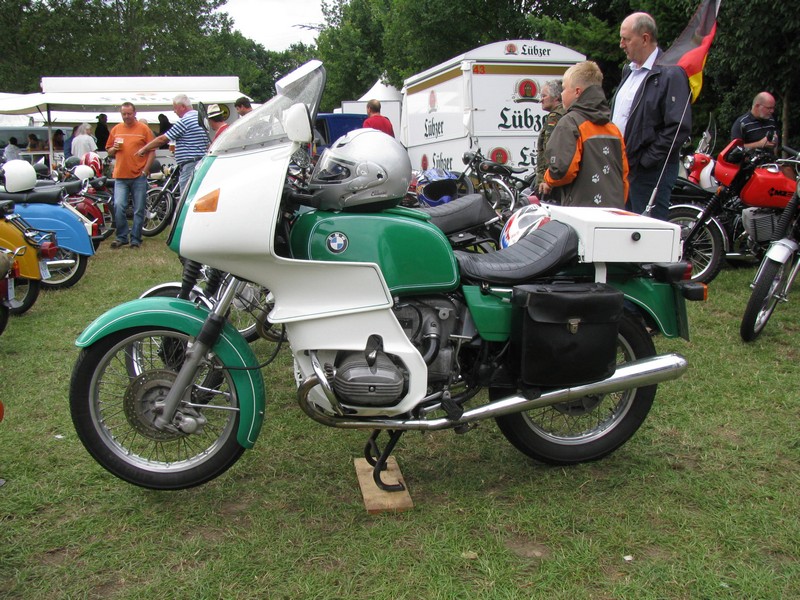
{"points": [[452, 409]]}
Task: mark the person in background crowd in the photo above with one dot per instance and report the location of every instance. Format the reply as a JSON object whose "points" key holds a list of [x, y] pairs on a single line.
{"points": [[11, 151], [757, 128], [586, 154], [131, 167], [68, 142], [242, 106], [191, 139], [34, 143], [652, 110], [163, 127], [58, 140], [83, 141], [551, 102], [101, 130], [216, 118], [376, 120]]}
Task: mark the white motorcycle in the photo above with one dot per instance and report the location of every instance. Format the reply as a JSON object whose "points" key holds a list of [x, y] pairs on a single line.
{"points": [[391, 329]]}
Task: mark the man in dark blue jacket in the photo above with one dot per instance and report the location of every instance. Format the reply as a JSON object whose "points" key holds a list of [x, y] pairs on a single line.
{"points": [[652, 110]]}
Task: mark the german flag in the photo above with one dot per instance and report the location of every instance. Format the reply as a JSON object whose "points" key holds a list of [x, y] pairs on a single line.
{"points": [[690, 49]]}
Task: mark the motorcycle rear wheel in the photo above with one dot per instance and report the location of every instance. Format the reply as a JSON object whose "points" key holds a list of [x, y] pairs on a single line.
{"points": [[65, 277], [26, 291], [768, 289], [116, 389], [592, 427], [157, 212], [708, 250]]}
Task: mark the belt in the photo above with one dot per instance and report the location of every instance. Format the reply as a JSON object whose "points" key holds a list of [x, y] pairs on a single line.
{"points": [[191, 160]]}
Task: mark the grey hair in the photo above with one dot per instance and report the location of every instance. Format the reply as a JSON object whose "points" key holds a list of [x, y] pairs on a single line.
{"points": [[553, 88], [182, 100], [83, 129], [644, 23]]}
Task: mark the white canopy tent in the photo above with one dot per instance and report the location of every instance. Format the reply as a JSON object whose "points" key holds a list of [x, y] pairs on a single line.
{"points": [[73, 100]]}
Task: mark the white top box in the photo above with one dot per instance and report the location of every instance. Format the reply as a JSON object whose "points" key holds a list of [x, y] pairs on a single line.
{"points": [[615, 235]]}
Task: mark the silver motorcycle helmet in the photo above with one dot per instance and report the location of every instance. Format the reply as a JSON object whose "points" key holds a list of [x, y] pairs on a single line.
{"points": [[364, 169], [18, 176]]}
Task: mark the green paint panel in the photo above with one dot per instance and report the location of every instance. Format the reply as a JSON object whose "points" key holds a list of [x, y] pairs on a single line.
{"points": [[414, 256], [491, 312]]}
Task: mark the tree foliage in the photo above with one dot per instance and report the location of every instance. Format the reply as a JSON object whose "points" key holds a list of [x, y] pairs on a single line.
{"points": [[363, 40]]}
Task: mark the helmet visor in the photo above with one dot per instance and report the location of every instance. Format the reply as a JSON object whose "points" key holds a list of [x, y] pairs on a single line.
{"points": [[330, 169]]}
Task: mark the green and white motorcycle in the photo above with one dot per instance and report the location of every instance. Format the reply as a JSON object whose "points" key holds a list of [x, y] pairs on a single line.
{"points": [[391, 330]]}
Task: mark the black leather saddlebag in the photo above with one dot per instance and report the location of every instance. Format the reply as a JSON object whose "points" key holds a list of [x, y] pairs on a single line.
{"points": [[565, 334]]}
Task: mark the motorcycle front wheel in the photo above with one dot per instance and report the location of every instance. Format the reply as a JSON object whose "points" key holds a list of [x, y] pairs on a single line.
{"points": [[591, 427], [768, 289], [157, 212], [69, 274], [116, 393], [708, 249]]}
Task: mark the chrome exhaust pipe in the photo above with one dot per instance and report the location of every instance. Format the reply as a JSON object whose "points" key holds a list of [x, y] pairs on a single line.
{"points": [[58, 264], [641, 373]]}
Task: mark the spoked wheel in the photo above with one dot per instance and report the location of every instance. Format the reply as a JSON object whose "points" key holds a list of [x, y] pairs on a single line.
{"points": [[26, 291], [591, 427], [4, 312], [768, 289], [116, 393], [157, 212], [708, 249], [70, 273]]}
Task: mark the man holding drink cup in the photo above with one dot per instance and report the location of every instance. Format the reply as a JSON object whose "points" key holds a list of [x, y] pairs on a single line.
{"points": [[130, 174]]}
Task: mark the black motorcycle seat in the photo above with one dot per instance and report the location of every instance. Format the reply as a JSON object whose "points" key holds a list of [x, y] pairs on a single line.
{"points": [[46, 195], [461, 214], [496, 168], [541, 251], [70, 187]]}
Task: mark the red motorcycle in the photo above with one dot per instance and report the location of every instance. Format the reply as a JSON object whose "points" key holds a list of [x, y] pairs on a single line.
{"points": [[737, 221]]}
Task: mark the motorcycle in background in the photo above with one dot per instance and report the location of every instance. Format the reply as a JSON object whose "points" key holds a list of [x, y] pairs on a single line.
{"points": [[34, 250], [391, 329], [778, 269], [738, 220]]}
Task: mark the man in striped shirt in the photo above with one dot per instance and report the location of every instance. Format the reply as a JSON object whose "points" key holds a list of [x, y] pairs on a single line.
{"points": [[190, 138]]}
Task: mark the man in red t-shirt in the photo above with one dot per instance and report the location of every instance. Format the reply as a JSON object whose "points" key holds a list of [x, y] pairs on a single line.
{"points": [[376, 120]]}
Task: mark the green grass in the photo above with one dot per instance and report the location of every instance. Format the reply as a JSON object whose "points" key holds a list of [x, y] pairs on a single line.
{"points": [[702, 501]]}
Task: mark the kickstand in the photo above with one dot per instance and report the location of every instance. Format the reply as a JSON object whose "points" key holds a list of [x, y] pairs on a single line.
{"points": [[378, 459]]}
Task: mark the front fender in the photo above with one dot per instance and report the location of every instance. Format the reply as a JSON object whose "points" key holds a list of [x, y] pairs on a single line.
{"points": [[782, 251], [713, 222], [188, 318]]}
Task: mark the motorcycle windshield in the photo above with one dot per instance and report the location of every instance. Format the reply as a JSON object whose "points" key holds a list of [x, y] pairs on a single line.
{"points": [[263, 127]]}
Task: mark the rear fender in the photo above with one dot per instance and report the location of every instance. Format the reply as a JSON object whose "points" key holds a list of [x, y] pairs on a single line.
{"points": [[186, 317], [661, 304]]}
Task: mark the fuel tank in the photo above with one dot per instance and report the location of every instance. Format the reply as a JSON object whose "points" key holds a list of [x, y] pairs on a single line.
{"points": [[413, 255]]}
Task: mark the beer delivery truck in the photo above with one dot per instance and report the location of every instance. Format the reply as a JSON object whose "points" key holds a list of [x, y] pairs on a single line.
{"points": [[488, 98]]}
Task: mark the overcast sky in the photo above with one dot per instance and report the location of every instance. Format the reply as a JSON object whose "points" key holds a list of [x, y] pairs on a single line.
{"points": [[272, 23]]}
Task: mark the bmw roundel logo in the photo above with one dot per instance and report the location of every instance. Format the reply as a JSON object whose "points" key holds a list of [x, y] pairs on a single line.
{"points": [[337, 242]]}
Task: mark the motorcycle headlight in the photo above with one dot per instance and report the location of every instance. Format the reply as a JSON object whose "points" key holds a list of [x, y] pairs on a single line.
{"points": [[688, 162]]}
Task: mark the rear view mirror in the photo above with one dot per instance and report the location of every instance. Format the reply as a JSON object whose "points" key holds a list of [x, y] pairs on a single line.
{"points": [[297, 124]]}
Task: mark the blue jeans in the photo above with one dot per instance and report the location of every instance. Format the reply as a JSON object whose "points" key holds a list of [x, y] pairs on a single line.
{"points": [[643, 181], [187, 170], [122, 189]]}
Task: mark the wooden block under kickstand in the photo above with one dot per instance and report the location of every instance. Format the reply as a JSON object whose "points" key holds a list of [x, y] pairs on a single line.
{"points": [[377, 500]]}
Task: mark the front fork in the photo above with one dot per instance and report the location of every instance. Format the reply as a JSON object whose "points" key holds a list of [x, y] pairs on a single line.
{"points": [[709, 210], [181, 390]]}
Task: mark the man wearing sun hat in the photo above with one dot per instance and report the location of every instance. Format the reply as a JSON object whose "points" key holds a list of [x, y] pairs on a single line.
{"points": [[217, 119]]}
